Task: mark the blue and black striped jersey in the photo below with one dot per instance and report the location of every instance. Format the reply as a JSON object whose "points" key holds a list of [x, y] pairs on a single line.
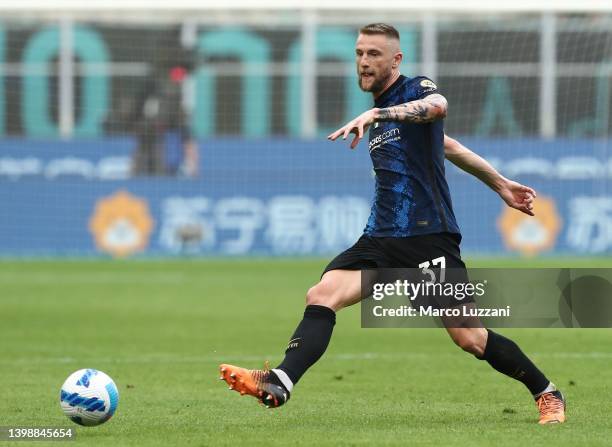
{"points": [[412, 196]]}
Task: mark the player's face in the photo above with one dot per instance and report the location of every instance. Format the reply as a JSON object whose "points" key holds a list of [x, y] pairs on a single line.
{"points": [[376, 57]]}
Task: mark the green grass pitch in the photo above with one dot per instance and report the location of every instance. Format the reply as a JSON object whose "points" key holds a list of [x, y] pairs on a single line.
{"points": [[160, 328]]}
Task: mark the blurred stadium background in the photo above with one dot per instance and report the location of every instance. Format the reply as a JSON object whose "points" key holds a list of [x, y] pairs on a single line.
{"points": [[199, 131], [137, 132]]}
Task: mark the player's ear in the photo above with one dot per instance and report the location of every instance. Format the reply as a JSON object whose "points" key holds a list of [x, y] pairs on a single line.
{"points": [[397, 59]]}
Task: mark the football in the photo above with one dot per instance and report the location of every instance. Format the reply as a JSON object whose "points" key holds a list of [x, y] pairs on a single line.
{"points": [[89, 397]]}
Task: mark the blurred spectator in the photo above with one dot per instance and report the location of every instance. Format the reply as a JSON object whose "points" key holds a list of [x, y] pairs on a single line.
{"points": [[165, 144]]}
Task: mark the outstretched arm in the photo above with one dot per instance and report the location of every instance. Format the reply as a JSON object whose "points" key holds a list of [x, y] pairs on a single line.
{"points": [[514, 194], [426, 110]]}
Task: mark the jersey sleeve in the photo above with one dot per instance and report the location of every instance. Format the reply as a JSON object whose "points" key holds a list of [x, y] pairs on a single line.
{"points": [[422, 87]]}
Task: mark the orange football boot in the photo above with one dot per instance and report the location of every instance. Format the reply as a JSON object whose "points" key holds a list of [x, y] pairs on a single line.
{"points": [[256, 383], [552, 407]]}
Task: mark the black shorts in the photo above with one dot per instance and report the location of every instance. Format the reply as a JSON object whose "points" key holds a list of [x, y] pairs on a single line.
{"points": [[399, 252], [381, 257]]}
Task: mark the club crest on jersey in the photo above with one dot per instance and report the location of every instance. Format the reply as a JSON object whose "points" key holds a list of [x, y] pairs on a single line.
{"points": [[428, 84]]}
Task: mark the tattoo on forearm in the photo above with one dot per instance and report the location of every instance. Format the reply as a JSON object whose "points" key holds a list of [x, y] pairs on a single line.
{"points": [[425, 110]]}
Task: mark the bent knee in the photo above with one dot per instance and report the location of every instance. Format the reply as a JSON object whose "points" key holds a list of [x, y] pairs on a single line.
{"points": [[319, 294], [324, 294], [473, 342]]}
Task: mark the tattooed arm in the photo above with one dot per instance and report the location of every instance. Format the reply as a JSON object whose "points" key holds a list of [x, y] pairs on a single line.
{"points": [[426, 110]]}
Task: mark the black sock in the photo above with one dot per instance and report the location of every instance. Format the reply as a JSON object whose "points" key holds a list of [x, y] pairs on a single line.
{"points": [[507, 358], [309, 341]]}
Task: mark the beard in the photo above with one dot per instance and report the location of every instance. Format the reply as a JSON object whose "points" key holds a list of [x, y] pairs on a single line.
{"points": [[377, 85]]}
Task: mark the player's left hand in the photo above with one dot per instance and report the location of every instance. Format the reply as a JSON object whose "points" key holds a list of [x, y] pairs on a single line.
{"points": [[358, 126], [518, 196]]}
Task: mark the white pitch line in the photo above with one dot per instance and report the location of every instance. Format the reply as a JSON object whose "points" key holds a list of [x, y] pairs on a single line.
{"points": [[7, 278], [261, 358]]}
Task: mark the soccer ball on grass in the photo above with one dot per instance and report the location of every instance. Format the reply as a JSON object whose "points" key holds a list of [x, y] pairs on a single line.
{"points": [[89, 397]]}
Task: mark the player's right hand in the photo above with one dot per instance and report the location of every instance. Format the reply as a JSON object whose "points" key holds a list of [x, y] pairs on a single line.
{"points": [[357, 126], [517, 196]]}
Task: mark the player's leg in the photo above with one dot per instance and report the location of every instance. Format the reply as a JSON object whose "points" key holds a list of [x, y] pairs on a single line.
{"points": [[502, 354], [336, 289], [505, 356], [468, 333]]}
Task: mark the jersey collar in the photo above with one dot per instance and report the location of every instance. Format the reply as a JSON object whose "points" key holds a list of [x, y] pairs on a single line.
{"points": [[382, 98]]}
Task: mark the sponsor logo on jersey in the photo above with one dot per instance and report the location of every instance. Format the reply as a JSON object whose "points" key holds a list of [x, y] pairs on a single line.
{"points": [[385, 137]]}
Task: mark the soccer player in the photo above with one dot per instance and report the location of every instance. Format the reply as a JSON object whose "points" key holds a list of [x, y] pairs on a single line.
{"points": [[411, 222]]}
